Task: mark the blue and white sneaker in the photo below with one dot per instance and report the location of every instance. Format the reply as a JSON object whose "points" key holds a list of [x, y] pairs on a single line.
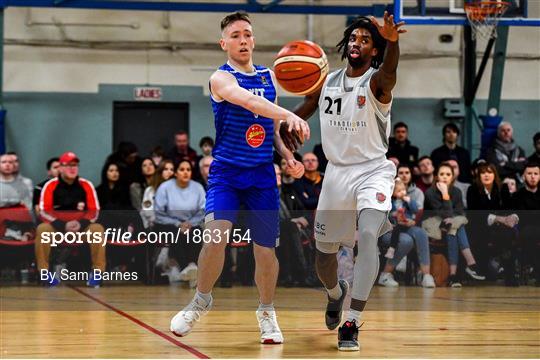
{"points": [[51, 280], [93, 282]]}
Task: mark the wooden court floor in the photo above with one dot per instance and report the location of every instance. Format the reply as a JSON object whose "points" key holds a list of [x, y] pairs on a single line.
{"points": [[132, 322]]}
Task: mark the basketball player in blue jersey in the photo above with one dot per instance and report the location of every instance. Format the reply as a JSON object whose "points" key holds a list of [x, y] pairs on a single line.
{"points": [[354, 110], [247, 122]]}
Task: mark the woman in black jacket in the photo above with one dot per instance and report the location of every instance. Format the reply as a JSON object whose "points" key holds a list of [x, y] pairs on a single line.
{"points": [[445, 201], [492, 225]]}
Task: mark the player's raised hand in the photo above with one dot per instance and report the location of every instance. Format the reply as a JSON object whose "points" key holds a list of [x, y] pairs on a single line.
{"points": [[301, 126], [389, 29], [295, 168]]}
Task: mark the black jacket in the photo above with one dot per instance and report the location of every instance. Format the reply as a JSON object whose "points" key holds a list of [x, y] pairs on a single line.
{"points": [[461, 155], [405, 153]]}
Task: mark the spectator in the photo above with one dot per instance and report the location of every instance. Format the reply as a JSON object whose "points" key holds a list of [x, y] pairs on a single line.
{"points": [[136, 189], [53, 170], [400, 147], [323, 161], [16, 168], [309, 186], [535, 157], [14, 191], [425, 179], [444, 201], [293, 228], [157, 155], [493, 228], [204, 168], [527, 201], [179, 204], [505, 154], [181, 150], [463, 187], [69, 203], [164, 172], [401, 216], [511, 183], [415, 236], [450, 150], [116, 209], [128, 160], [206, 144]]}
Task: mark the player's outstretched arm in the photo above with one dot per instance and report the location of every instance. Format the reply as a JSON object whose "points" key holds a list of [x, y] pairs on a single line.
{"points": [[384, 80], [225, 87], [306, 108], [295, 168]]}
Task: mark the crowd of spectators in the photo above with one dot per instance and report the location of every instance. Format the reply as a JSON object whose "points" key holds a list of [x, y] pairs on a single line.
{"points": [[483, 214]]}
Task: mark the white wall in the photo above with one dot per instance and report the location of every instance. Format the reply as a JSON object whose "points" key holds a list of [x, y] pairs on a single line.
{"points": [[428, 68]]}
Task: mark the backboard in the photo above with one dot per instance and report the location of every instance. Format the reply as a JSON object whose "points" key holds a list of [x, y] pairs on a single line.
{"points": [[452, 12]]}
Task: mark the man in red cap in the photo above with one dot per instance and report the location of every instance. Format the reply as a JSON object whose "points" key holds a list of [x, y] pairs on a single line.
{"points": [[68, 203]]}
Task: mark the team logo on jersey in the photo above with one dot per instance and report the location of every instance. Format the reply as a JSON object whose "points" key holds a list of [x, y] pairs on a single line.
{"points": [[361, 101], [381, 197], [264, 81], [255, 135]]}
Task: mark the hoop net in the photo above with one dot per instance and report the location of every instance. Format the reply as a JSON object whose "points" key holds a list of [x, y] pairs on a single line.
{"points": [[484, 17]]}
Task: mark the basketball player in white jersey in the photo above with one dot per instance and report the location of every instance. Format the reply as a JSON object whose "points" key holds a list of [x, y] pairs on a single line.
{"points": [[354, 105]]}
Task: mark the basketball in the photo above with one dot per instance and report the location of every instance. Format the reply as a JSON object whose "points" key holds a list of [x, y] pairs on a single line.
{"points": [[301, 67]]}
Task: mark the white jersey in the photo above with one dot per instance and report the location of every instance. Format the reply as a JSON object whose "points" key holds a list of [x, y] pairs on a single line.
{"points": [[355, 126]]}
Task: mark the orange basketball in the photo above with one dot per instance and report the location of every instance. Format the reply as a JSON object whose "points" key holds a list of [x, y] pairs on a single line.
{"points": [[301, 67]]}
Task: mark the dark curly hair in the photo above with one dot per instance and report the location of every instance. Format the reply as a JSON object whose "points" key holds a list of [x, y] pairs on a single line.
{"points": [[379, 42]]}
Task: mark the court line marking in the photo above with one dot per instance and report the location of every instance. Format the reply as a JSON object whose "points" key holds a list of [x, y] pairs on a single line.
{"points": [[142, 324]]}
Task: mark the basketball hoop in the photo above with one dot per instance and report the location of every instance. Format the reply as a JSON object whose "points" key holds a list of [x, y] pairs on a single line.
{"points": [[484, 16]]}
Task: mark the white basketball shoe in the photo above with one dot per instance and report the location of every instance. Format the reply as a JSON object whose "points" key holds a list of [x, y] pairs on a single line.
{"points": [[184, 321], [270, 331]]}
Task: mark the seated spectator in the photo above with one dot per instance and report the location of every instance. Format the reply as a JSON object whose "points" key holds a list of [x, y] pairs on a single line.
{"points": [[53, 169], [400, 147], [206, 144], [527, 202], [511, 183], [179, 204], [444, 208], [113, 194], [157, 155], [16, 169], [463, 187], [68, 204], [505, 154], [493, 227], [323, 161], [414, 236], [15, 191], [128, 159], [15, 203], [164, 172], [204, 168], [181, 150], [535, 157], [450, 150], [293, 229], [309, 186], [136, 189], [425, 179]]}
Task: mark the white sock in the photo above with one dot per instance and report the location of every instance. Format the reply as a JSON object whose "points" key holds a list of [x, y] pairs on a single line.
{"points": [[354, 315], [266, 307], [335, 293], [206, 298]]}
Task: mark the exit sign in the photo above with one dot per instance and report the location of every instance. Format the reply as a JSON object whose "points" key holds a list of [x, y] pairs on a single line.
{"points": [[147, 93]]}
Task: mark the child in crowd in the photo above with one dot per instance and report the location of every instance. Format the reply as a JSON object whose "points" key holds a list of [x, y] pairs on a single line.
{"points": [[402, 215]]}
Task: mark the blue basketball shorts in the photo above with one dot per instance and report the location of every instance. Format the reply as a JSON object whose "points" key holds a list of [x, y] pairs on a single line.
{"points": [[255, 205]]}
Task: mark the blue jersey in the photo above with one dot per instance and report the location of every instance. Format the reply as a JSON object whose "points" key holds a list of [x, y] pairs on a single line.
{"points": [[244, 139]]}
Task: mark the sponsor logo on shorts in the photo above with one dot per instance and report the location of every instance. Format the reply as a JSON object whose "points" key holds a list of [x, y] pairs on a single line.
{"points": [[380, 197], [320, 228], [255, 135]]}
